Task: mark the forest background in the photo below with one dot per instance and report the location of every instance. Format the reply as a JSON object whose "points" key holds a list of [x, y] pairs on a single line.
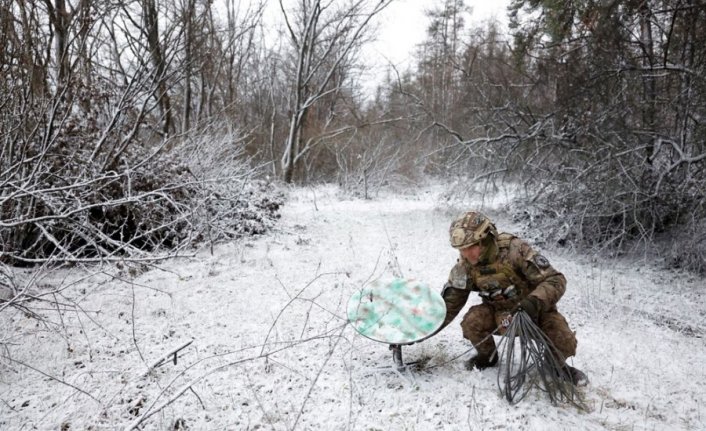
{"points": [[132, 131]]}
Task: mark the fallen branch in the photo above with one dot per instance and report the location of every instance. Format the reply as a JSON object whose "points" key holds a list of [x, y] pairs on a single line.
{"points": [[151, 410], [172, 353], [56, 379]]}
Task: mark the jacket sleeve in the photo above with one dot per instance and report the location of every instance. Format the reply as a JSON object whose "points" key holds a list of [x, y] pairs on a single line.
{"points": [[455, 293], [545, 283]]}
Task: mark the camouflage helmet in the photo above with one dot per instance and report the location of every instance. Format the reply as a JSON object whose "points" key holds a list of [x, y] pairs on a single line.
{"points": [[470, 228]]}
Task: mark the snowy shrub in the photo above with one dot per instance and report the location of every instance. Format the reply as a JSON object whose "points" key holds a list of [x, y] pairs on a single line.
{"points": [[229, 201], [59, 204], [612, 200]]}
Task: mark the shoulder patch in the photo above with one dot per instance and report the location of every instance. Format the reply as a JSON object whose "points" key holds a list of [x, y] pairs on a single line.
{"points": [[458, 276], [540, 261]]}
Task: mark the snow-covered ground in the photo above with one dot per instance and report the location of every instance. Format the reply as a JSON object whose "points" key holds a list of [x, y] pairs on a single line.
{"points": [[271, 348]]}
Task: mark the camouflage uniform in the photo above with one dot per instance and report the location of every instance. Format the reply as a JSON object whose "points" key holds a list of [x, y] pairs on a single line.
{"points": [[508, 271]]}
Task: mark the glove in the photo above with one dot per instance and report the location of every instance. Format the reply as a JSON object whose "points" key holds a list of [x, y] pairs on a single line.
{"points": [[532, 306]]}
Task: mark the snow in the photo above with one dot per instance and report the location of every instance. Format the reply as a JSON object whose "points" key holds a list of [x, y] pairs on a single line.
{"points": [[271, 348]]}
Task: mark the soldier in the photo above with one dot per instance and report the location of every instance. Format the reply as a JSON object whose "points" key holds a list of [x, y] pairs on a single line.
{"points": [[509, 276]]}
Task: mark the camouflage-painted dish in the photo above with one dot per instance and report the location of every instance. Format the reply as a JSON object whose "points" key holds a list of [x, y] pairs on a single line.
{"points": [[396, 312]]}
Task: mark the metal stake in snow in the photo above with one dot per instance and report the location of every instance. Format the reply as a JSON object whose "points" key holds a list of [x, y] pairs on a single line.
{"points": [[396, 312]]}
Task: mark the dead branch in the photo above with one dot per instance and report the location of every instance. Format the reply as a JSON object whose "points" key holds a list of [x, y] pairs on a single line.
{"points": [[54, 378], [171, 354], [153, 408]]}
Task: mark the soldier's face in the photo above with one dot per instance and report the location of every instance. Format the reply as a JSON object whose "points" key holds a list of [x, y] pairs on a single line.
{"points": [[471, 254]]}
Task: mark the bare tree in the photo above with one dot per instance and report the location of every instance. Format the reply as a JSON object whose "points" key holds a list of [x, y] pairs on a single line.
{"points": [[188, 17], [150, 20], [85, 185], [324, 38]]}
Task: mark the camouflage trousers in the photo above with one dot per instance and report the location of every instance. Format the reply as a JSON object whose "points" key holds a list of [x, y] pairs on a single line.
{"points": [[481, 320]]}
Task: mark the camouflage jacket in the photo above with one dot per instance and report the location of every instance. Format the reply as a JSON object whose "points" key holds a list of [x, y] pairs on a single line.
{"points": [[509, 273]]}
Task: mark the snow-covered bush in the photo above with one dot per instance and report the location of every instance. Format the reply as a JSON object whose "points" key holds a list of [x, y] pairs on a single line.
{"points": [[63, 206]]}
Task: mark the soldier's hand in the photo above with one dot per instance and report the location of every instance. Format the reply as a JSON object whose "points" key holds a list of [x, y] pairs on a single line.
{"points": [[532, 306]]}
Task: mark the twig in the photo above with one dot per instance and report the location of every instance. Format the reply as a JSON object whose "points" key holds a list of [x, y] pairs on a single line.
{"points": [[166, 356], [151, 409], [8, 405], [203, 406], [257, 397], [316, 378], [397, 270], [132, 321], [56, 379], [281, 311]]}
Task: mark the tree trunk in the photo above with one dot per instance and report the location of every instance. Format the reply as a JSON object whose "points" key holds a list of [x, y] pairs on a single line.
{"points": [[648, 80], [188, 60], [62, 20], [151, 19]]}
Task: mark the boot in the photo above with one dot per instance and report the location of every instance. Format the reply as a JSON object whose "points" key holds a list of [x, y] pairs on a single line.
{"points": [[481, 362], [575, 376]]}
